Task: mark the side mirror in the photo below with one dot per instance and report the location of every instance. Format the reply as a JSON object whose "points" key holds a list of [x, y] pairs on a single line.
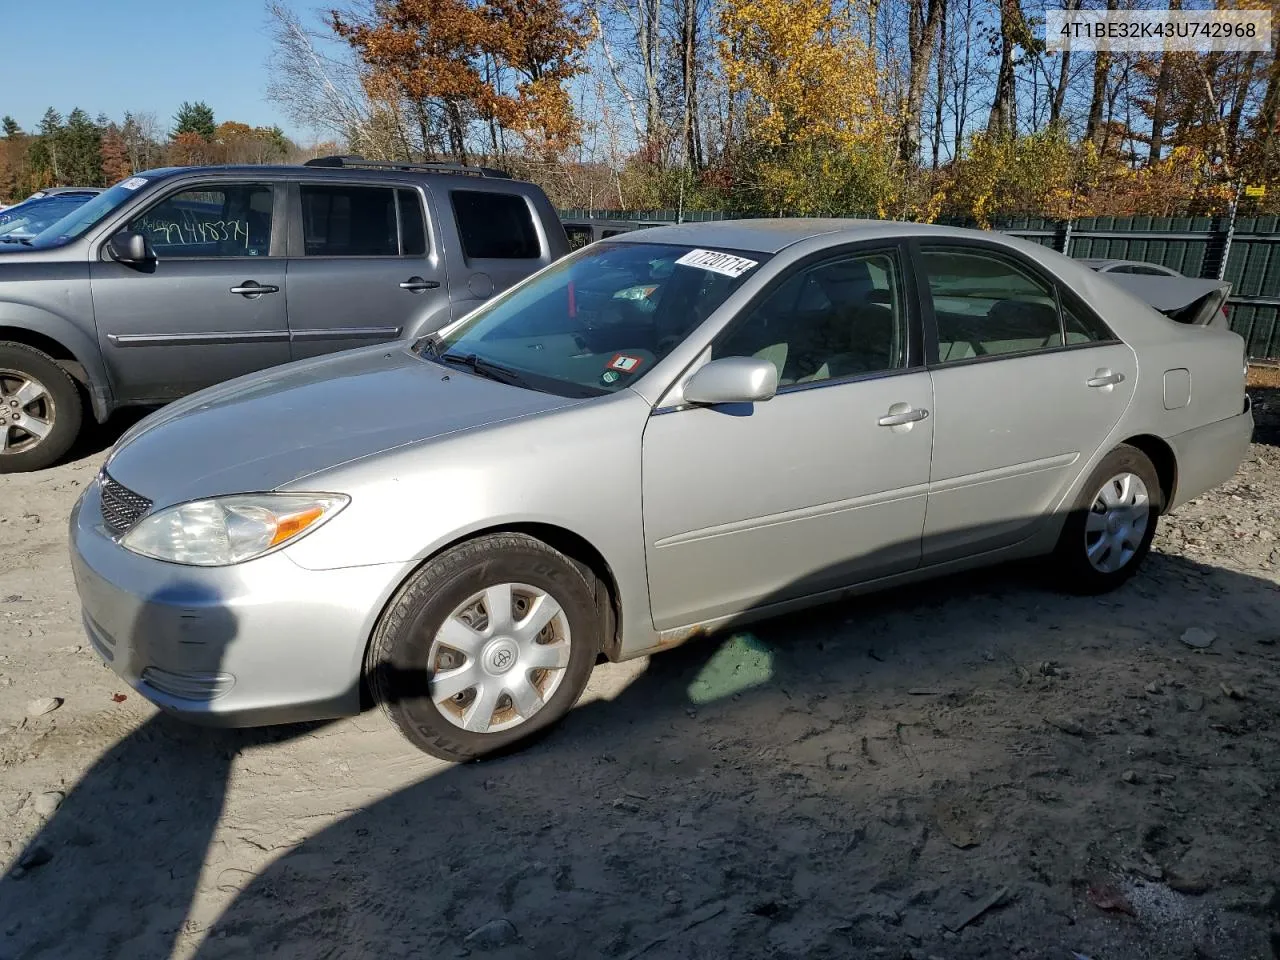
{"points": [[130, 248], [732, 380]]}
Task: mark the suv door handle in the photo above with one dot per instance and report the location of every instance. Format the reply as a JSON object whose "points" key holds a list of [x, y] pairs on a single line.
{"points": [[251, 289], [902, 417], [1104, 378], [417, 284]]}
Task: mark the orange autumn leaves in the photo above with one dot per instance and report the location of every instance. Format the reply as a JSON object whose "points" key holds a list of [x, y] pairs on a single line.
{"points": [[503, 63]]}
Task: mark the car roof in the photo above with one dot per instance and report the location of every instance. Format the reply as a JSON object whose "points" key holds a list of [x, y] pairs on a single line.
{"points": [[773, 235], [394, 173]]}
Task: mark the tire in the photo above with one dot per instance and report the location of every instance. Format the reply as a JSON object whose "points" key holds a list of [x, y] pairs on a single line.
{"points": [[407, 657], [55, 404], [1090, 523]]}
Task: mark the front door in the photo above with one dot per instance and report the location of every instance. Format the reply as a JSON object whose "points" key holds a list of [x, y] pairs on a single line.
{"points": [[363, 267], [1027, 384], [821, 486], [211, 307]]}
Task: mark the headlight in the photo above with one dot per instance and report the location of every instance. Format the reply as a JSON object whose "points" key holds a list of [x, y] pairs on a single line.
{"points": [[226, 530]]}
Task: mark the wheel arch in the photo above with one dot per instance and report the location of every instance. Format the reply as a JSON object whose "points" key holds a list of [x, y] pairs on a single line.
{"points": [[573, 545], [1163, 459], [70, 348]]}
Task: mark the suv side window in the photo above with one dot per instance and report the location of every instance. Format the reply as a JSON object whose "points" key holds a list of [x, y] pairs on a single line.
{"points": [[341, 220], [413, 226], [840, 318], [222, 220], [985, 305], [495, 226]]}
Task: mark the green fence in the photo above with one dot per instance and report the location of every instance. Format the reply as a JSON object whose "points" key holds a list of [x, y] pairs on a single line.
{"points": [[1242, 250]]}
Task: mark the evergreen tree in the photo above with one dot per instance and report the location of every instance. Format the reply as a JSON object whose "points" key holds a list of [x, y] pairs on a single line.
{"points": [[10, 126], [80, 153], [194, 118]]}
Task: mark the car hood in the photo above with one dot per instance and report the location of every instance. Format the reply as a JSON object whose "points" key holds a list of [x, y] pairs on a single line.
{"points": [[268, 429]]}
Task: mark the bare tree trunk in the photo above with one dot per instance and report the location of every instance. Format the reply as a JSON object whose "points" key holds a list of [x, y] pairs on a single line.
{"points": [[1064, 73], [457, 137], [649, 37], [1094, 128], [689, 79], [1269, 115], [1160, 106], [1243, 82], [922, 34], [962, 98], [940, 91], [1003, 120], [873, 23]]}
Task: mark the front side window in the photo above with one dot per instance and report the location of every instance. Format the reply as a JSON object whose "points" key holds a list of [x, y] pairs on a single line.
{"points": [[841, 318], [987, 306], [223, 220], [348, 221], [495, 226], [597, 320]]}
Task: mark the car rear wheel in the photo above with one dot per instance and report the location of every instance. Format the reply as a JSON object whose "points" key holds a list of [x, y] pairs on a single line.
{"points": [[1111, 527], [486, 645], [40, 409]]}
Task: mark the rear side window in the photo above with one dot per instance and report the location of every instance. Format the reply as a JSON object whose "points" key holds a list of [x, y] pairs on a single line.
{"points": [[413, 229], [985, 305], [579, 235], [495, 226], [349, 221]]}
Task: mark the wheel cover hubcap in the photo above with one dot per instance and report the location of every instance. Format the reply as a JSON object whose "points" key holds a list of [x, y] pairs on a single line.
{"points": [[26, 412], [1117, 522], [498, 657]]}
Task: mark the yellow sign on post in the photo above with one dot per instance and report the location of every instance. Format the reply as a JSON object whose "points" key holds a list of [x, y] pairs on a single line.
{"points": [[1258, 191]]}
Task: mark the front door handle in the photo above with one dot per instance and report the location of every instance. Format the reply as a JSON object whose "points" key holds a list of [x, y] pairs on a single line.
{"points": [[417, 284], [898, 418], [251, 289], [1104, 378]]}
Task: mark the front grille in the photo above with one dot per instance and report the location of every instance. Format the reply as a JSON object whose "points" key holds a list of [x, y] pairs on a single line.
{"points": [[121, 507]]}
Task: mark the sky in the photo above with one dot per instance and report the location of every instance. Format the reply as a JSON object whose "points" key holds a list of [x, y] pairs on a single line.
{"points": [[142, 56]]}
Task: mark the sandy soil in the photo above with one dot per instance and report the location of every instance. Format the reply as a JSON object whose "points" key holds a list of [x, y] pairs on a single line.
{"points": [[979, 767]]}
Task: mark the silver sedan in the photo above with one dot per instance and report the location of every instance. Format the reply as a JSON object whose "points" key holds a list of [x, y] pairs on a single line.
{"points": [[673, 431]]}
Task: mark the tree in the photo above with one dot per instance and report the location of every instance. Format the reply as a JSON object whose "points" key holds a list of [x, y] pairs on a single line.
{"points": [[10, 126], [242, 143], [115, 155], [81, 150], [925, 19], [196, 118], [141, 136]]}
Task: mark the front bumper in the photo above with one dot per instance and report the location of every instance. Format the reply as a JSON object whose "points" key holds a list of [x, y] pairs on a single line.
{"points": [[1209, 456], [252, 644]]}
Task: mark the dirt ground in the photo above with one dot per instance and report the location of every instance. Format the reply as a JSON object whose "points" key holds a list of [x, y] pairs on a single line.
{"points": [[979, 767]]}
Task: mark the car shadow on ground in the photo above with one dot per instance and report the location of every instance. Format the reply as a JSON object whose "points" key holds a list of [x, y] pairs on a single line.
{"points": [[851, 779]]}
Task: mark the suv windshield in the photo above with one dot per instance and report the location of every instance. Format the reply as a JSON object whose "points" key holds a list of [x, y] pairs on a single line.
{"points": [[87, 215], [597, 320]]}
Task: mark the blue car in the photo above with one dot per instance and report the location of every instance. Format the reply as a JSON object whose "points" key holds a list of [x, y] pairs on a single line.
{"points": [[43, 208]]}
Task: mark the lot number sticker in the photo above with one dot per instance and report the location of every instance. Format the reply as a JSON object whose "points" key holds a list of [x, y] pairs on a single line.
{"points": [[725, 263], [133, 183], [624, 364]]}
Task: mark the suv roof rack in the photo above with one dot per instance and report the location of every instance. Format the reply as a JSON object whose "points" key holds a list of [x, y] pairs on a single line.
{"points": [[354, 160]]}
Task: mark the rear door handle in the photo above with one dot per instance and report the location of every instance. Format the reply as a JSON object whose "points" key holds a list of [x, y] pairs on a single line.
{"points": [[903, 417], [417, 284], [1104, 378], [251, 289]]}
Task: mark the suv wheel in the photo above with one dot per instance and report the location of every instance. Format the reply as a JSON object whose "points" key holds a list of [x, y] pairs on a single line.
{"points": [[486, 645], [40, 409]]}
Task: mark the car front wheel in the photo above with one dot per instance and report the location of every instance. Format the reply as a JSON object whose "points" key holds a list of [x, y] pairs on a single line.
{"points": [[487, 644], [40, 409], [1110, 529]]}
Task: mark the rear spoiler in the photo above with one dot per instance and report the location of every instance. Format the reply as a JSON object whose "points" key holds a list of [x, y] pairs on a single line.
{"points": [[1181, 299]]}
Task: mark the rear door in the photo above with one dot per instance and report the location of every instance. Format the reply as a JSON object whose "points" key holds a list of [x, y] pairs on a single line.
{"points": [[364, 266], [211, 307], [1027, 382], [500, 234]]}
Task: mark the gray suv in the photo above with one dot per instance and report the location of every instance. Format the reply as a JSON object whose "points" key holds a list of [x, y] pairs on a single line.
{"points": [[179, 278]]}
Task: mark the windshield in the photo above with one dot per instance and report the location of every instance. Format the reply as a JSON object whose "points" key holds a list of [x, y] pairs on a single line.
{"points": [[36, 215], [597, 320], [88, 215]]}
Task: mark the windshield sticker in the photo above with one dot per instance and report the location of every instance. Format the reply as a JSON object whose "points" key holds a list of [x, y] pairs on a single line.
{"points": [[608, 377], [133, 183], [725, 263], [624, 364]]}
